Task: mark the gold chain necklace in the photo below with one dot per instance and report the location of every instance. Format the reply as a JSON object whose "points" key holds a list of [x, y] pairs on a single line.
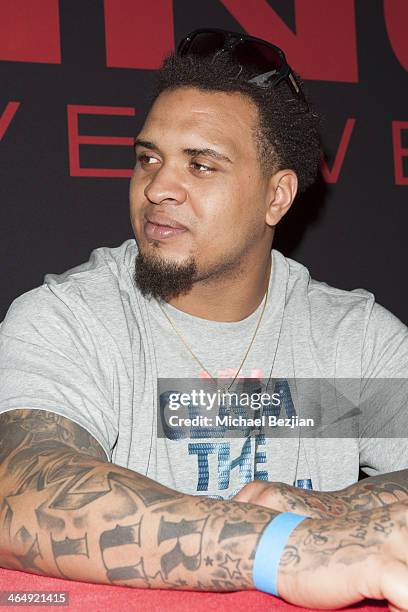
{"points": [[187, 346]]}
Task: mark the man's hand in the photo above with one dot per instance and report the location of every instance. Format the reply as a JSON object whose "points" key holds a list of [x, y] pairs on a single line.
{"points": [[285, 498], [336, 562]]}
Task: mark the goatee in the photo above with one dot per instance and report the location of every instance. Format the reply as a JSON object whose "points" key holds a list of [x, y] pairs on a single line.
{"points": [[162, 279]]}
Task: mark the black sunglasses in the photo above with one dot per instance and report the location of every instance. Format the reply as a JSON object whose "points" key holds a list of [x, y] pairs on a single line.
{"points": [[267, 62]]}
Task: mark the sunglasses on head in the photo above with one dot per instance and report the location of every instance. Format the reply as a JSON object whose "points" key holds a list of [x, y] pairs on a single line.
{"points": [[265, 62]]}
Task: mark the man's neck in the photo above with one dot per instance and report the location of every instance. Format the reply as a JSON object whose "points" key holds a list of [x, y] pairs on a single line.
{"points": [[227, 300]]}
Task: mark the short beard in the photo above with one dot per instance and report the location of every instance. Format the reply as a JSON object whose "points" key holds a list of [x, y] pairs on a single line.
{"points": [[161, 279]]}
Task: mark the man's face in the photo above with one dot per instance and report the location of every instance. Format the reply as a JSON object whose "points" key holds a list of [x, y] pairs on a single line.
{"points": [[197, 194]]}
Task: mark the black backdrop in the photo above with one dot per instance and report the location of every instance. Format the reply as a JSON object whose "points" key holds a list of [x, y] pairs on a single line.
{"points": [[82, 69]]}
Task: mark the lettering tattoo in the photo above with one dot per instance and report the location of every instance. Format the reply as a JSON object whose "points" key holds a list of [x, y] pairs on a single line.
{"points": [[66, 511], [344, 541], [189, 532]]}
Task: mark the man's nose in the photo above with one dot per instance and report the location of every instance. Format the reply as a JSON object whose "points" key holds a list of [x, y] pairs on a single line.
{"points": [[165, 186]]}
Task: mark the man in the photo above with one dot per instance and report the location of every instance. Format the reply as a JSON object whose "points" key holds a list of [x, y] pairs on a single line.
{"points": [[88, 491]]}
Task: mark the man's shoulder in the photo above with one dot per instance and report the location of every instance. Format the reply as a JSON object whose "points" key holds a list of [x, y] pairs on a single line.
{"points": [[105, 276], [323, 301], [104, 263], [302, 283], [93, 288]]}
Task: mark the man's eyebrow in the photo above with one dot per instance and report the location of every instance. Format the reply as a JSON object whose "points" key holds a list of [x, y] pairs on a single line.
{"points": [[207, 152], [147, 144]]}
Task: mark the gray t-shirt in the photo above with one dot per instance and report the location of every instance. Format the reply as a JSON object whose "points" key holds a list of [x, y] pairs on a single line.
{"points": [[87, 345]]}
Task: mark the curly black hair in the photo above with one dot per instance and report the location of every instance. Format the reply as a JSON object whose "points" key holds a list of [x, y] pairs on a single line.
{"points": [[287, 134]]}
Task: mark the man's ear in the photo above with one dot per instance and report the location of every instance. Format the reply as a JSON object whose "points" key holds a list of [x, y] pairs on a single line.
{"points": [[282, 190]]}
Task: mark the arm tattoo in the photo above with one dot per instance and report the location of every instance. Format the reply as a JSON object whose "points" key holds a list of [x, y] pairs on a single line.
{"points": [[377, 491], [65, 511], [343, 541], [370, 493], [23, 429]]}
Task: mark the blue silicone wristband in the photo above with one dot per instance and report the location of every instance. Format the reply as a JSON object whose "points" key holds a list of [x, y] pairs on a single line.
{"points": [[270, 549]]}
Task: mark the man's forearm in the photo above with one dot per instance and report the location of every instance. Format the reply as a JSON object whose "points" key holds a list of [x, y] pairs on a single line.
{"points": [[65, 511], [368, 494], [376, 491], [372, 492], [73, 516]]}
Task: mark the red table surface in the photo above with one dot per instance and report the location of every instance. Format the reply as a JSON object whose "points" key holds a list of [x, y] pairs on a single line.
{"points": [[97, 597]]}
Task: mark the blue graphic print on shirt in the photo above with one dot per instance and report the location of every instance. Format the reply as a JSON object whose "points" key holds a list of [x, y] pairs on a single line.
{"points": [[253, 451]]}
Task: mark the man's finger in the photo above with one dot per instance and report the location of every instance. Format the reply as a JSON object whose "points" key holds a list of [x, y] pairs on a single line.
{"points": [[394, 585]]}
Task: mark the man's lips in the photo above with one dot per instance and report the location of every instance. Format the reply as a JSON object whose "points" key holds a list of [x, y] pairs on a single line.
{"points": [[158, 228]]}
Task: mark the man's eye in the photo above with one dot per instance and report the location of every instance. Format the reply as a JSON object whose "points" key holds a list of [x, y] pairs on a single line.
{"points": [[202, 167], [146, 160]]}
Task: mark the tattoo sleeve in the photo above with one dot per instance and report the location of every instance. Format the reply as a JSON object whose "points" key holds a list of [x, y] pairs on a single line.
{"points": [[66, 511]]}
